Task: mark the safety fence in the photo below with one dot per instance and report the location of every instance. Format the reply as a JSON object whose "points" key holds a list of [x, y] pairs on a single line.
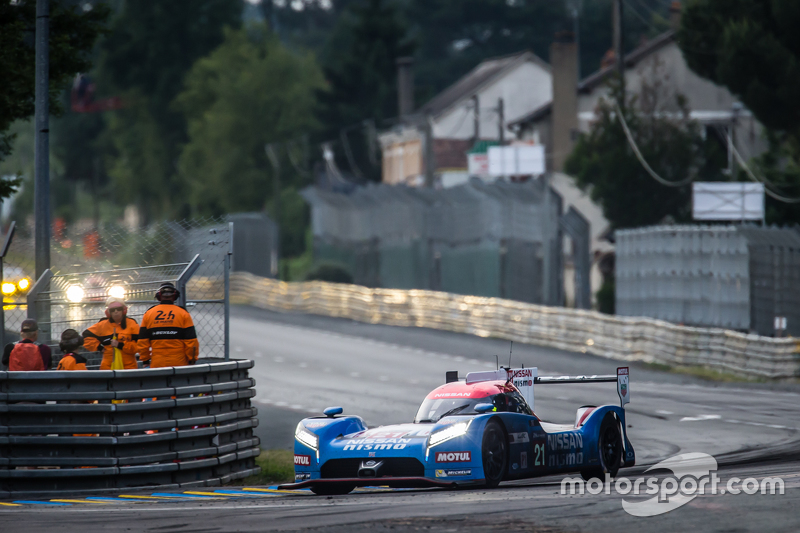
{"points": [[729, 276], [94, 431], [99, 257], [498, 239], [622, 338]]}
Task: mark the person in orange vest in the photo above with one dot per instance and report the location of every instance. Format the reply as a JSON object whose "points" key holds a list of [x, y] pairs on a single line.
{"points": [[116, 330], [71, 340], [167, 336], [27, 354]]}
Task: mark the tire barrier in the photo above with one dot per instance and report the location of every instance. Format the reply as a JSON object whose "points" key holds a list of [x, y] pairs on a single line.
{"points": [[93, 431], [622, 338]]}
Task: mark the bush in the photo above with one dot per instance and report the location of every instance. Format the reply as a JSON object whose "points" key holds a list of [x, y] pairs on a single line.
{"points": [[330, 272]]}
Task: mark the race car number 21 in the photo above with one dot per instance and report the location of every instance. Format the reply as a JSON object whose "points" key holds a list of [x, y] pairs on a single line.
{"points": [[538, 454]]}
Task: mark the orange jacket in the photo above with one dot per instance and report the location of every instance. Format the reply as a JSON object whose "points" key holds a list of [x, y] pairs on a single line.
{"points": [[167, 336], [101, 334], [72, 361]]}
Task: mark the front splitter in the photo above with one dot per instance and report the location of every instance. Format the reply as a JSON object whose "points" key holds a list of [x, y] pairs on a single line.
{"points": [[394, 482]]}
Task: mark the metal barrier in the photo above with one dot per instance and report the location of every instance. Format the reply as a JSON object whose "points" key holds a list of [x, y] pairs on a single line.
{"points": [[91, 431], [622, 338]]}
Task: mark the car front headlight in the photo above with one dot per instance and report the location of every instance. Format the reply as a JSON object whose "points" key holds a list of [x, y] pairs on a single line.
{"points": [[23, 284], [450, 432], [8, 288], [306, 437]]}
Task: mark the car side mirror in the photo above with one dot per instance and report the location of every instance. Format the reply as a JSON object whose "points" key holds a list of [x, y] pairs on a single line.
{"points": [[330, 412], [483, 407]]}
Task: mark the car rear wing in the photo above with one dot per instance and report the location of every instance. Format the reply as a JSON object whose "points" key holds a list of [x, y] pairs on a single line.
{"points": [[524, 379], [621, 379]]}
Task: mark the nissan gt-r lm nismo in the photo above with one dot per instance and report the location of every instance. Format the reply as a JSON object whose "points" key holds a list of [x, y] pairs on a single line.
{"points": [[478, 431]]}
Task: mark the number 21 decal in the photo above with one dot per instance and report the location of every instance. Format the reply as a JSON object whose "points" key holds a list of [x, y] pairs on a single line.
{"points": [[538, 454]]}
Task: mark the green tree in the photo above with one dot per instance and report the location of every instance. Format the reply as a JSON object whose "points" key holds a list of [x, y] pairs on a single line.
{"points": [[72, 34], [604, 164], [151, 47], [249, 92], [362, 78], [751, 47]]}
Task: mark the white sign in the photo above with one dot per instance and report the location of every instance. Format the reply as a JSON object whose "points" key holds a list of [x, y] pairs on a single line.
{"points": [[516, 160], [623, 387], [522, 379], [780, 323], [478, 164], [727, 201]]}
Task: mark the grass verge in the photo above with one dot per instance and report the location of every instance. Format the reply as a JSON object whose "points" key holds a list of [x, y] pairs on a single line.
{"points": [[277, 466]]}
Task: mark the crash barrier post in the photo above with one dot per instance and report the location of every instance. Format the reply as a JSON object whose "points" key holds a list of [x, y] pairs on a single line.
{"points": [[622, 338], [94, 431]]}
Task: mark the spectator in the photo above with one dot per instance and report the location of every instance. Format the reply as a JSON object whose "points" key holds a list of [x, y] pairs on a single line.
{"points": [[27, 354]]}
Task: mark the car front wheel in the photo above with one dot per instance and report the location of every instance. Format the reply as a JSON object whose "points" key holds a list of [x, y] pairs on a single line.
{"points": [[494, 450]]}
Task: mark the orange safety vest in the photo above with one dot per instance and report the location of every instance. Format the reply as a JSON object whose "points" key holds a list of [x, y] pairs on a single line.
{"points": [[167, 336], [127, 333], [25, 356]]}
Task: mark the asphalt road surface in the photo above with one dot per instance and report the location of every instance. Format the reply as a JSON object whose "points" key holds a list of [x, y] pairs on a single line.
{"points": [[306, 363]]}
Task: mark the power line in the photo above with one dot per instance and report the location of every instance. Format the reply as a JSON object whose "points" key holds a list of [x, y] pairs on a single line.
{"points": [[641, 159], [463, 118], [639, 16], [767, 184], [349, 154]]}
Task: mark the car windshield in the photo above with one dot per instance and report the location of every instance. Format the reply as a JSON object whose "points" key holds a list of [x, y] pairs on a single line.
{"points": [[433, 410]]}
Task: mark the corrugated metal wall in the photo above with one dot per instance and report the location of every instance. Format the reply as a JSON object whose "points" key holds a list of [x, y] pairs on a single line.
{"points": [[500, 239], [737, 277]]}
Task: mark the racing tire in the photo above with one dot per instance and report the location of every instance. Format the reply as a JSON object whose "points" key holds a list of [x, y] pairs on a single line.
{"points": [[609, 450], [332, 489], [494, 452]]}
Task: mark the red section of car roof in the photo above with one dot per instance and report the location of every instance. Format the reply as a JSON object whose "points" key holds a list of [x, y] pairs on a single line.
{"points": [[459, 389]]}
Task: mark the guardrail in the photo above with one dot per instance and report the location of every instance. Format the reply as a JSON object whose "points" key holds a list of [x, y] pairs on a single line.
{"points": [[622, 338], [89, 431]]}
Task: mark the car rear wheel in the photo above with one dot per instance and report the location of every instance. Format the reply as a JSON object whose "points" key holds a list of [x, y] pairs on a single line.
{"points": [[609, 450], [332, 489], [494, 451]]}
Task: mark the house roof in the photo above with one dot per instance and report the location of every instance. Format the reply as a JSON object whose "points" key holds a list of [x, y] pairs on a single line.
{"points": [[591, 82], [485, 73]]}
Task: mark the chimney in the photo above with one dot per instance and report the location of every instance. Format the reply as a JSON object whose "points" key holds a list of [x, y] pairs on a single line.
{"points": [[564, 116], [405, 86], [675, 15]]}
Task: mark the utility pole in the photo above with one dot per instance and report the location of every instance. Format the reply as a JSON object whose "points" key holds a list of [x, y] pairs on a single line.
{"points": [[430, 164], [276, 192], [476, 117], [501, 122], [619, 48], [41, 201], [574, 8]]}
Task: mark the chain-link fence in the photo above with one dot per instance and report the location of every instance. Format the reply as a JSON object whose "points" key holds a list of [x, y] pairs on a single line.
{"points": [[499, 239], [113, 257]]}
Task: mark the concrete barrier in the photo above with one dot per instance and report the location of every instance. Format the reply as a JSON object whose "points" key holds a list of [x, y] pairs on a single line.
{"points": [[621, 338]]}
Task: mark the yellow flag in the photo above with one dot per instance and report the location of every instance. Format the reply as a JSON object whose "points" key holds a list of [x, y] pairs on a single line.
{"points": [[117, 364]]}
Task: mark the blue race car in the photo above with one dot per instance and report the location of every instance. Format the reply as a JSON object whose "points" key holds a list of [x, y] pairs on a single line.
{"points": [[479, 431]]}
